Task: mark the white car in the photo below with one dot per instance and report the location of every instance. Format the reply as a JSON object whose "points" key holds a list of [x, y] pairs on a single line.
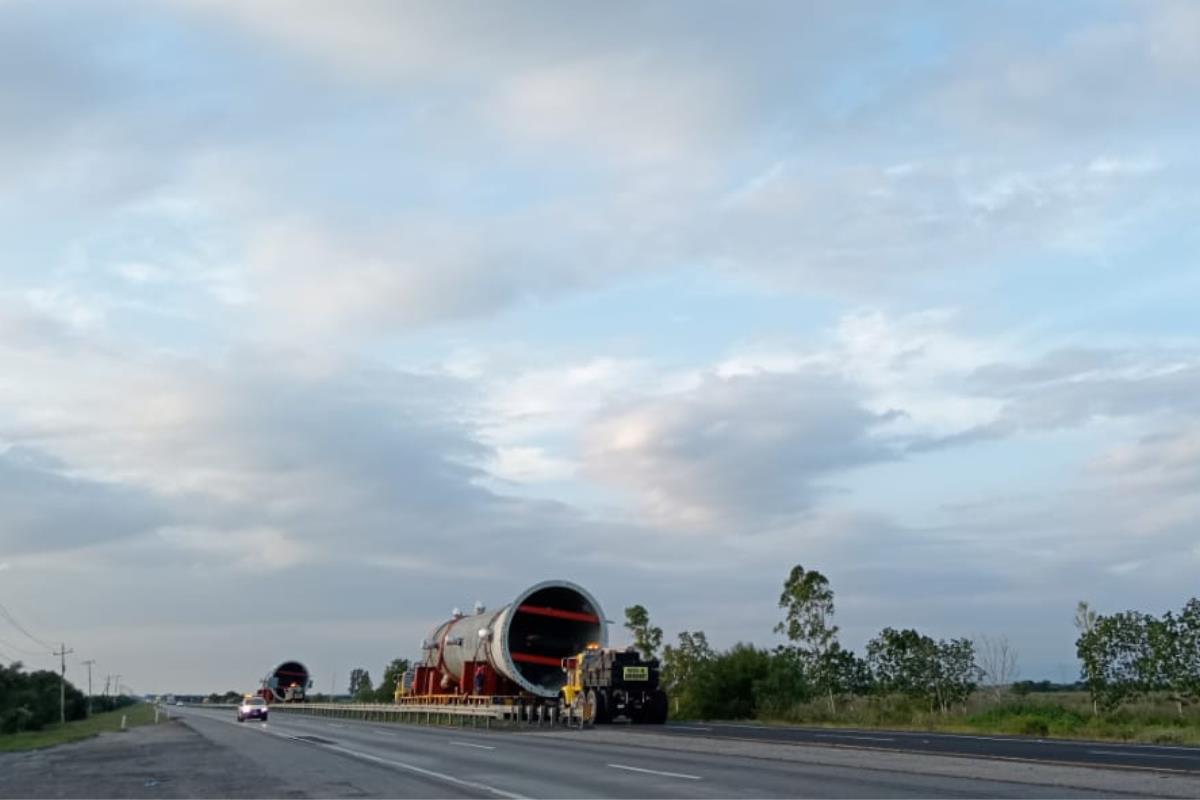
{"points": [[252, 708]]}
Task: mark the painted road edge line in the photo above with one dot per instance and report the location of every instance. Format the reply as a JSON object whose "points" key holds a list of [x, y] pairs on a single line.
{"points": [[1127, 754], [851, 736], [657, 772], [469, 744]]}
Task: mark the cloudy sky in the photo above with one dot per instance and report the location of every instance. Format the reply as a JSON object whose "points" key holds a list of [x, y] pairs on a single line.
{"points": [[320, 319]]}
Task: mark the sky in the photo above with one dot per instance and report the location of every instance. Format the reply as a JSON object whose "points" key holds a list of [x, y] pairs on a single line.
{"points": [[319, 320]]}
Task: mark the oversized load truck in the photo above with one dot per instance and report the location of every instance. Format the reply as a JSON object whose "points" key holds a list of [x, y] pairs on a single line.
{"points": [[605, 685], [515, 651], [287, 683], [543, 653]]}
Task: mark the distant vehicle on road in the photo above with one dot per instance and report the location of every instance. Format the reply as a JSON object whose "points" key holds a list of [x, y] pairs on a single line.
{"points": [[252, 708]]}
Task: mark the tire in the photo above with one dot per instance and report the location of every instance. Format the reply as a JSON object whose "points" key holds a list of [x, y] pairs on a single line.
{"points": [[265, 717], [239, 716], [656, 709], [603, 708], [589, 713]]}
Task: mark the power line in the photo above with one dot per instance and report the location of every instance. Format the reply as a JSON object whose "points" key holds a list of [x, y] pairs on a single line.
{"points": [[18, 648], [4, 612]]}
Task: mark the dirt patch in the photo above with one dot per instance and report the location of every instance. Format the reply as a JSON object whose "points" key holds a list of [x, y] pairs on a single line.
{"points": [[166, 760]]}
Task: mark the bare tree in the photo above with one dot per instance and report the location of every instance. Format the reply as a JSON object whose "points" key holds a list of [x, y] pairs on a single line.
{"points": [[997, 660], [1085, 618]]}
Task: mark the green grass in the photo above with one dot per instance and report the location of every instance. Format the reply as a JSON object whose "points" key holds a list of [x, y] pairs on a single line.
{"points": [[1051, 715], [138, 714]]}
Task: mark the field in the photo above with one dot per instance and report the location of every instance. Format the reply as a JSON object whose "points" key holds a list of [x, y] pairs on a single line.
{"points": [[1050, 714], [139, 714]]}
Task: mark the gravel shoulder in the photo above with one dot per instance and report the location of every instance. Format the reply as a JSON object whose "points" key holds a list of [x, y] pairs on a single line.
{"points": [[166, 760]]}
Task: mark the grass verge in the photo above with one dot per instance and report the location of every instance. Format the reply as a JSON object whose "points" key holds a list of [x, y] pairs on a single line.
{"points": [[1059, 715], [139, 714]]}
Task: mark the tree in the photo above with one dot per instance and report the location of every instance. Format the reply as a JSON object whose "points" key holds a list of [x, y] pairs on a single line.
{"points": [[807, 601], [941, 673], [1085, 617], [646, 637], [997, 663], [1118, 658], [681, 665], [361, 688], [957, 674], [393, 673], [1174, 643]]}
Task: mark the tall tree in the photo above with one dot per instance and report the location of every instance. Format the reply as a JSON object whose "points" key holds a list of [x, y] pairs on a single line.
{"points": [[361, 687], [1085, 623], [807, 602], [646, 637]]}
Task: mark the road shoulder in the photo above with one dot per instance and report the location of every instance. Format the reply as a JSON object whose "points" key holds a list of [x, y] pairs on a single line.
{"points": [[166, 760]]}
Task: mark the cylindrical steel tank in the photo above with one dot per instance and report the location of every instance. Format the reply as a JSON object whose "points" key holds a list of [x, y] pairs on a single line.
{"points": [[287, 683], [524, 641]]}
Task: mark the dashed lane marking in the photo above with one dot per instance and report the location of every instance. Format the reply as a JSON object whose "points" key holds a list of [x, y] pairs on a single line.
{"points": [[657, 772], [852, 736]]}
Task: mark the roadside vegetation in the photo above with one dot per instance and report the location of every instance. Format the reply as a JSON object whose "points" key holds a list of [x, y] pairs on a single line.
{"points": [[31, 712], [1140, 676], [135, 712]]}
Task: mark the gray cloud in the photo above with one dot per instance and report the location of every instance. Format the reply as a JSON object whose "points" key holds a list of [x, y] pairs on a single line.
{"points": [[735, 449], [45, 508]]}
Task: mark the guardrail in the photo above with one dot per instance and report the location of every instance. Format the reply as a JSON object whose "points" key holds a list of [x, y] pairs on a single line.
{"points": [[484, 712]]}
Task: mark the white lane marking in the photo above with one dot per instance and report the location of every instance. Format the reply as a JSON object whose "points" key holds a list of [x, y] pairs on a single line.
{"points": [[469, 744], [335, 725], [385, 733], [689, 728], [851, 736], [657, 772], [441, 776], [1127, 754]]}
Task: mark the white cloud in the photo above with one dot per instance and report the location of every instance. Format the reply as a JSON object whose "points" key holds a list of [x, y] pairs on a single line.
{"points": [[252, 549], [530, 465]]}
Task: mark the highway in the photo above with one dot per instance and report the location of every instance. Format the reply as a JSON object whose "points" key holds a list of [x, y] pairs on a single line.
{"points": [[1018, 748], [299, 755]]}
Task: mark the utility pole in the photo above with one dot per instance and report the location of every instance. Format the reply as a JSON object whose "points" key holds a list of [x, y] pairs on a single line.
{"points": [[88, 664], [62, 685]]}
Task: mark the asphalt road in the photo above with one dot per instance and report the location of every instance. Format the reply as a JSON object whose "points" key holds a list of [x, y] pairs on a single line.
{"points": [[348, 758], [1020, 748]]}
